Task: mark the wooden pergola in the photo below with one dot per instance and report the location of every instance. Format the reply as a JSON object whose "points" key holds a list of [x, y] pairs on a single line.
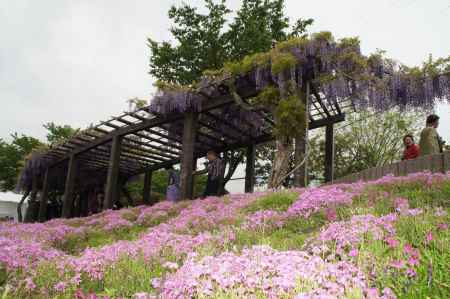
{"points": [[141, 142]]}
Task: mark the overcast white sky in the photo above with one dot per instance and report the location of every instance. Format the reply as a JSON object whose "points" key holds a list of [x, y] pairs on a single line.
{"points": [[77, 62]]}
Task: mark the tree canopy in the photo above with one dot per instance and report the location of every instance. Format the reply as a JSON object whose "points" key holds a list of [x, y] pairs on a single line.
{"points": [[58, 133], [336, 68], [13, 155], [207, 40], [367, 140]]}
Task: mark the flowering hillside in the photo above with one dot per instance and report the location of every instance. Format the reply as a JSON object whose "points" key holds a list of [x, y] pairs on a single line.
{"points": [[384, 239]]}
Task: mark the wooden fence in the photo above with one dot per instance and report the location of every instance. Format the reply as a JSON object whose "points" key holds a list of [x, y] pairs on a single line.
{"points": [[433, 163]]}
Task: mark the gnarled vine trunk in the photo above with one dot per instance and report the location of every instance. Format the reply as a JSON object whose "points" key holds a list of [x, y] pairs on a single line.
{"points": [[280, 165]]}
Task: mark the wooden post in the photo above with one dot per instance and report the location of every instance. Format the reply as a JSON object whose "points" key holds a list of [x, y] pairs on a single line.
{"points": [[187, 158], [301, 147], [147, 191], [76, 212], [329, 153], [113, 173], [44, 198], [250, 169], [69, 188], [32, 211], [84, 202]]}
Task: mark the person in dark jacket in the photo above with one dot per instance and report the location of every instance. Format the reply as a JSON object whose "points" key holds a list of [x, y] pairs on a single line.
{"points": [[173, 186], [215, 174], [411, 149]]}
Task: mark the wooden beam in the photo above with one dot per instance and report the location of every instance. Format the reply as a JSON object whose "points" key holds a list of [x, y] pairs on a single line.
{"points": [[44, 198], [329, 153], [147, 191], [213, 129], [232, 126], [113, 173], [241, 144], [187, 159], [250, 169], [133, 148], [326, 121], [151, 122], [120, 132], [69, 191]]}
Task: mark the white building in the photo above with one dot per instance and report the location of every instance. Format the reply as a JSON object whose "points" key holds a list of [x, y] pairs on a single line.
{"points": [[8, 204]]}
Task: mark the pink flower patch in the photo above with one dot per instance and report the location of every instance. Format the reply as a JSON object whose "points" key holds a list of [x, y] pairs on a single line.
{"points": [[429, 237], [413, 261], [392, 242], [398, 264], [331, 215], [442, 226], [411, 272], [354, 252]]}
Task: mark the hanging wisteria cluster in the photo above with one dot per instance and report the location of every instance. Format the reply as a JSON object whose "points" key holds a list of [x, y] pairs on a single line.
{"points": [[337, 68], [34, 167]]}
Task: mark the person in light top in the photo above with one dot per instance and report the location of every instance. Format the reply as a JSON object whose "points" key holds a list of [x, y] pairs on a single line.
{"points": [[430, 142], [215, 171]]}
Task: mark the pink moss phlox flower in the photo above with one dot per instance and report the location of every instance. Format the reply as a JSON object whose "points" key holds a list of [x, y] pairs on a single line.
{"points": [[440, 212], [170, 265], [401, 205], [398, 264], [312, 200], [388, 294], [264, 219], [353, 252], [413, 212], [429, 237], [60, 286], [264, 270], [331, 215], [345, 234], [143, 295], [29, 284], [413, 261], [411, 272], [442, 226], [392, 242]]}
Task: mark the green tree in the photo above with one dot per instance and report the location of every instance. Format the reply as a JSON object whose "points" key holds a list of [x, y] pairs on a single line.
{"points": [[365, 140], [12, 157], [58, 133], [207, 41], [159, 186]]}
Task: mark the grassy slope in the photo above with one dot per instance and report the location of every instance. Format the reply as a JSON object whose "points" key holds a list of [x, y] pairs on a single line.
{"points": [[432, 278]]}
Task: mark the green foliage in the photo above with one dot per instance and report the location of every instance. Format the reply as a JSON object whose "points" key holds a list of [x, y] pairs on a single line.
{"points": [[159, 186], [290, 117], [206, 41], [75, 244], [282, 62], [280, 201], [58, 133], [249, 62], [367, 140], [268, 97], [12, 155]]}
